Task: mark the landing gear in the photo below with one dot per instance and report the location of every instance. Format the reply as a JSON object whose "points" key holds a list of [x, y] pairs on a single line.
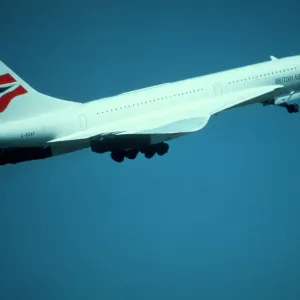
{"points": [[291, 108], [150, 153], [132, 153], [159, 149], [162, 149], [118, 156]]}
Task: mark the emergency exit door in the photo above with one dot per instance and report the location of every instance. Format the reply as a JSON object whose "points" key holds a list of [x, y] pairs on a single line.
{"points": [[82, 121]]}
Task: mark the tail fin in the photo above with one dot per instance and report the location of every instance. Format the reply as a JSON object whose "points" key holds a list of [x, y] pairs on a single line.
{"points": [[20, 101]]}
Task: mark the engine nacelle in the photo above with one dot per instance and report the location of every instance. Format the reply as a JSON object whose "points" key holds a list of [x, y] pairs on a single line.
{"points": [[287, 98], [121, 142], [17, 155]]}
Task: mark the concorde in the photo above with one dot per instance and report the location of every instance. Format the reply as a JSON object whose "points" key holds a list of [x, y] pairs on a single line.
{"points": [[36, 126]]}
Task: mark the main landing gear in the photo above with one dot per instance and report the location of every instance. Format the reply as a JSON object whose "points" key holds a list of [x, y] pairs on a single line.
{"points": [[159, 149], [291, 108]]}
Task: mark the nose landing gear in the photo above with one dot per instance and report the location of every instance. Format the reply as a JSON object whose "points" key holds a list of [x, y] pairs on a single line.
{"points": [[291, 108]]}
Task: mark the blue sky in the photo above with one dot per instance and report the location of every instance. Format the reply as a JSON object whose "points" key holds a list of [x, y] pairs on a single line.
{"points": [[216, 218]]}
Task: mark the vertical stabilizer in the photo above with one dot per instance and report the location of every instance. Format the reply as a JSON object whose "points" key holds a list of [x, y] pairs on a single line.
{"points": [[20, 101]]}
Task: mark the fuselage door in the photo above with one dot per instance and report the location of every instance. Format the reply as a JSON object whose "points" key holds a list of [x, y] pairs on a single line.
{"points": [[82, 121], [218, 90]]}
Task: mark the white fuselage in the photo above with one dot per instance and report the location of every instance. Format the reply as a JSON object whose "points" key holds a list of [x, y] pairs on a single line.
{"points": [[123, 111]]}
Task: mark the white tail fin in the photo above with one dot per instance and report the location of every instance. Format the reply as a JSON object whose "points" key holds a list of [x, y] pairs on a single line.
{"points": [[19, 101]]}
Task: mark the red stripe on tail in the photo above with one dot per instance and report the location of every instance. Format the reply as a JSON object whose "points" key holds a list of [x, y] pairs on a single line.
{"points": [[6, 79], [6, 98]]}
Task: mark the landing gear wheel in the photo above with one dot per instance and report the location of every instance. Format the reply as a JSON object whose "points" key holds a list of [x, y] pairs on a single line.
{"points": [[162, 149], [131, 154], [117, 156], [296, 108], [293, 108], [150, 153]]}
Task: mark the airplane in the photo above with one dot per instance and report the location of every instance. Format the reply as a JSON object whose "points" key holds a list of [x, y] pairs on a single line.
{"points": [[35, 126]]}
